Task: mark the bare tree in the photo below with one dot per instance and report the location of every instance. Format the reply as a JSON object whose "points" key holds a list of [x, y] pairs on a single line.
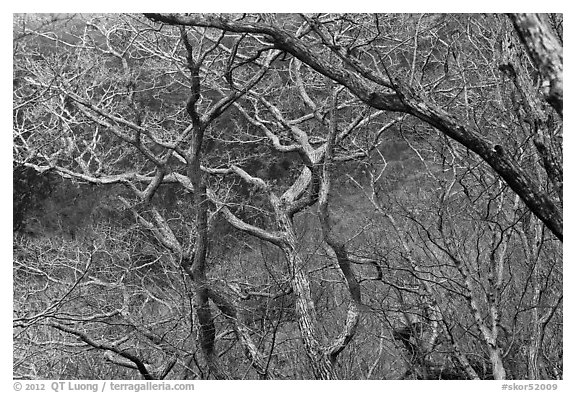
{"points": [[364, 67], [380, 195], [105, 135]]}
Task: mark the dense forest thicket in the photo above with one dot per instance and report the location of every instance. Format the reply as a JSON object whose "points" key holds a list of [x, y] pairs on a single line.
{"points": [[307, 196]]}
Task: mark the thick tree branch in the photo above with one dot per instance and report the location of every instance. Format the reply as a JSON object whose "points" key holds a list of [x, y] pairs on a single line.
{"points": [[287, 42]]}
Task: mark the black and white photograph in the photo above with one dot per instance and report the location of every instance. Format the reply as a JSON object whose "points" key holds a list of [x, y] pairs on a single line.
{"points": [[287, 196]]}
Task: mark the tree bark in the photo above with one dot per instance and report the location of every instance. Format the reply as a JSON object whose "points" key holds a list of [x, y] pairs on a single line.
{"points": [[546, 52], [322, 366]]}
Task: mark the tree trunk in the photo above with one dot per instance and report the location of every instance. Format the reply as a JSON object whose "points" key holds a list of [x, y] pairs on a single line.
{"points": [[545, 50], [322, 366], [498, 369]]}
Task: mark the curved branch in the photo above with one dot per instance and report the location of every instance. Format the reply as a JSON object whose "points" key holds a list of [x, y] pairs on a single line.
{"points": [[515, 176], [339, 248], [139, 363]]}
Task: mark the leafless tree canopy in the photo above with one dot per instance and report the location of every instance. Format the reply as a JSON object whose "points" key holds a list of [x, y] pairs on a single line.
{"points": [[295, 196]]}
